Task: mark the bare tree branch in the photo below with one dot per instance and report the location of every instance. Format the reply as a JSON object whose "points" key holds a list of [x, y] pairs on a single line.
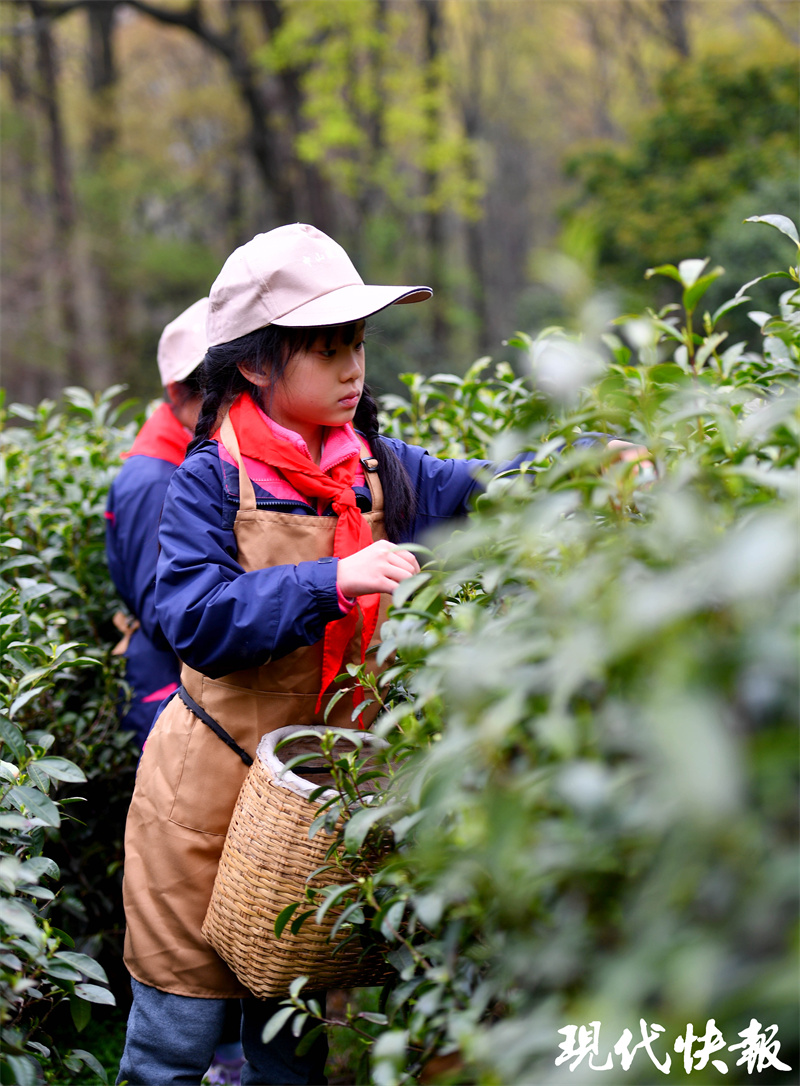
{"points": [[190, 18], [763, 8]]}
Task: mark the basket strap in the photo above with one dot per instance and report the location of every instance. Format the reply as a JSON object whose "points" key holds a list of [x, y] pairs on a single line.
{"points": [[216, 728]]}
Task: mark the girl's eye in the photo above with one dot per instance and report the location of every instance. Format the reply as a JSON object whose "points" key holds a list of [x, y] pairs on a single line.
{"points": [[327, 352], [359, 346]]}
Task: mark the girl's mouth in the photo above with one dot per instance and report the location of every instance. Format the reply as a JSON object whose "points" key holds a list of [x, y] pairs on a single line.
{"points": [[351, 400]]}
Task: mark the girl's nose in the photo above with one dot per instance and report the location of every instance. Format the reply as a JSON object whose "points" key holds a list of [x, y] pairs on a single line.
{"points": [[353, 364]]}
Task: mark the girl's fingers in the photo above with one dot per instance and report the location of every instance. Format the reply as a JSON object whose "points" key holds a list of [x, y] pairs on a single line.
{"points": [[405, 560], [377, 568]]}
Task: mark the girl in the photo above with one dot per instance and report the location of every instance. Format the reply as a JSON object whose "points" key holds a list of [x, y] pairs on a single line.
{"points": [[278, 536]]}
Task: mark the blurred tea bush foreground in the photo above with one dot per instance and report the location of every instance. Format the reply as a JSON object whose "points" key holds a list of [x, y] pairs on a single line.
{"points": [[591, 710]]}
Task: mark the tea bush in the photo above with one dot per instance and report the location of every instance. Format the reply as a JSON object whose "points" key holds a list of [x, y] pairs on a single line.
{"points": [[62, 758], [591, 706]]}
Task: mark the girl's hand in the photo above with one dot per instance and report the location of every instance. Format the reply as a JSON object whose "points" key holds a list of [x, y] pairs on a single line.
{"points": [[377, 568], [640, 454]]}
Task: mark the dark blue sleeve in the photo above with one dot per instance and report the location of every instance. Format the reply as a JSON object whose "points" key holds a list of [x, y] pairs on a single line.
{"points": [[445, 488], [134, 510], [216, 616]]}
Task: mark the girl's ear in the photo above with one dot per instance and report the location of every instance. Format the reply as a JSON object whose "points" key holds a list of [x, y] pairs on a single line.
{"points": [[254, 376]]}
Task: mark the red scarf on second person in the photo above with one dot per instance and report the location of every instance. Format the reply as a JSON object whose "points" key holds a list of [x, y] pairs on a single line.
{"points": [[162, 437], [352, 531]]}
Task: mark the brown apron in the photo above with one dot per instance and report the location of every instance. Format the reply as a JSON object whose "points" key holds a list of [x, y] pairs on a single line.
{"points": [[188, 779]]}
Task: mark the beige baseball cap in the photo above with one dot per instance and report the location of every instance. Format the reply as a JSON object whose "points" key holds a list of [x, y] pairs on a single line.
{"points": [[182, 346], [296, 277]]}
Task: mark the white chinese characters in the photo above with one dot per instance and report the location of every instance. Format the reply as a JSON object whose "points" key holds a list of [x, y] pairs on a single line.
{"points": [[759, 1047]]}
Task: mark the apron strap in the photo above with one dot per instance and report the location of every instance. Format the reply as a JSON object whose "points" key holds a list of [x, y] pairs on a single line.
{"points": [[247, 494], [216, 728], [370, 466]]}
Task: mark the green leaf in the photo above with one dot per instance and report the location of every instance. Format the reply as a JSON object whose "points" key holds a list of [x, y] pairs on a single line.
{"points": [[9, 772], [61, 769], [694, 293], [307, 1040], [664, 269], [373, 1016], [29, 695], [62, 972], [357, 827], [780, 222], [12, 737], [36, 803], [298, 921], [759, 279], [406, 589], [332, 895], [276, 1023], [296, 986], [89, 967], [81, 1012], [298, 1023], [91, 1062], [20, 921], [284, 916], [689, 271], [726, 307], [67, 940], [40, 866], [24, 1070], [37, 778], [353, 914], [93, 993]]}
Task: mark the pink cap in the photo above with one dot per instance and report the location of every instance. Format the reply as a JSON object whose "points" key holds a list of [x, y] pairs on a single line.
{"points": [[182, 346], [297, 277]]}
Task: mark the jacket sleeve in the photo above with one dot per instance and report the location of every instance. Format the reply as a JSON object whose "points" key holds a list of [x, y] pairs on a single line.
{"points": [[134, 510], [217, 617], [445, 489]]}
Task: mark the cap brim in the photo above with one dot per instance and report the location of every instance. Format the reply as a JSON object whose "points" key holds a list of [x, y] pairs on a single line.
{"points": [[184, 371], [348, 304]]}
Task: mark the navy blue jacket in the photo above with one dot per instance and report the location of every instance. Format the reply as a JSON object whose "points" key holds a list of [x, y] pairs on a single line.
{"points": [[133, 513], [219, 618]]}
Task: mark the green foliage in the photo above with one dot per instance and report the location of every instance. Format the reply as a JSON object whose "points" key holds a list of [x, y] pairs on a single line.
{"points": [[372, 121], [59, 742], [719, 130], [591, 710]]}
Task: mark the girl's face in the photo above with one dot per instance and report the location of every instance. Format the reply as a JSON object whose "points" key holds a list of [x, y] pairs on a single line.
{"points": [[320, 386]]}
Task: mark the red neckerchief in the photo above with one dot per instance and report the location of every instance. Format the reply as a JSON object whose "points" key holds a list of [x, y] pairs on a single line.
{"points": [[162, 437], [352, 532]]}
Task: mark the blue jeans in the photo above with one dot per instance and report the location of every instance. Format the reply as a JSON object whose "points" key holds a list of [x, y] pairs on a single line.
{"points": [[171, 1039]]}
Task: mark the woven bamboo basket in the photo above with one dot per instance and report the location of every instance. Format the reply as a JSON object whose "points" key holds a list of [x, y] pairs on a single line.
{"points": [[265, 866]]}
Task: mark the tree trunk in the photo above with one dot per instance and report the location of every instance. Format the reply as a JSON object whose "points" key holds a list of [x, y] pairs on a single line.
{"points": [[471, 109], [264, 143], [62, 189], [115, 352], [674, 13], [311, 193], [434, 218]]}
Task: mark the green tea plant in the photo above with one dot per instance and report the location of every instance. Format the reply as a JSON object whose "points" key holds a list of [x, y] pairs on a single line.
{"points": [[59, 745], [591, 709]]}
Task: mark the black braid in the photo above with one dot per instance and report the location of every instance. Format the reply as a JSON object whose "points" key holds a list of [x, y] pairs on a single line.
{"points": [[399, 497], [267, 350]]}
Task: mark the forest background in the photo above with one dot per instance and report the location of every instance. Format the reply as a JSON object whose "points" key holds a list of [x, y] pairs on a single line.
{"points": [[517, 155]]}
